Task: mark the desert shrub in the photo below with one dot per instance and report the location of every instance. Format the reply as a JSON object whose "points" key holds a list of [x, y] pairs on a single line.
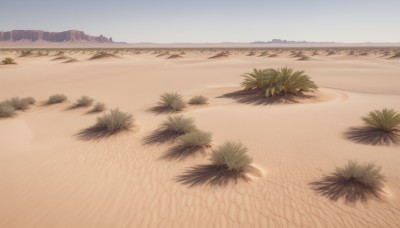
{"points": [[102, 55], [232, 156], [175, 56], [61, 57], [6, 110], [303, 58], [366, 175], [114, 121], [57, 98], [172, 102], [198, 100], [220, 55], [99, 107], [386, 120], [25, 53], [8, 60], [29, 100], [257, 79], [288, 82], [283, 81], [84, 101], [18, 103], [178, 125], [195, 139], [353, 182]]}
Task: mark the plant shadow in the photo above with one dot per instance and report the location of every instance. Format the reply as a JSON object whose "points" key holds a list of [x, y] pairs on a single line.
{"points": [[257, 97], [211, 175], [160, 136], [337, 187], [158, 110], [91, 112], [97, 133], [74, 106], [371, 136], [180, 152]]}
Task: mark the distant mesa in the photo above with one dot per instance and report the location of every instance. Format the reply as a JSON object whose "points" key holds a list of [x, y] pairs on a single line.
{"points": [[43, 36], [279, 41]]}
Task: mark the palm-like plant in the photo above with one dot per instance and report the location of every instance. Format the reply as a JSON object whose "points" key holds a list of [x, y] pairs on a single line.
{"points": [[287, 81], [257, 79], [386, 120]]}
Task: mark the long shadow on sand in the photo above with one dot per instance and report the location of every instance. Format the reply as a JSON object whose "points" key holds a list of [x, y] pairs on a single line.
{"points": [[158, 110], [336, 187], [158, 137], [371, 136], [211, 175], [97, 133], [180, 152], [257, 97], [73, 107]]}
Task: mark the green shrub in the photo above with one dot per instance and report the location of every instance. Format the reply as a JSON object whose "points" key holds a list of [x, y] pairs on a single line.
{"points": [[7, 61], [6, 110], [231, 156], [172, 102], [257, 79], [198, 100], [57, 98], [288, 82], [84, 101], [195, 139], [114, 121], [283, 81], [99, 107], [178, 125], [386, 120], [366, 175]]}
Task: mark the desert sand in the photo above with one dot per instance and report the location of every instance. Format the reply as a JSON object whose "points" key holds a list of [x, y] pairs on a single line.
{"points": [[51, 178]]}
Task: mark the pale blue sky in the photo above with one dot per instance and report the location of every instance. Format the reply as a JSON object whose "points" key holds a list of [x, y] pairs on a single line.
{"points": [[210, 20]]}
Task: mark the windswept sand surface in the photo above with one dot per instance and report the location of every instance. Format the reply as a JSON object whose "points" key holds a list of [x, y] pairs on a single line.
{"points": [[51, 178]]}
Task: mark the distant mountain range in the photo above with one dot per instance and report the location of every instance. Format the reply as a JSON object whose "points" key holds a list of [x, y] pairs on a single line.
{"points": [[74, 38], [43, 36], [279, 41]]}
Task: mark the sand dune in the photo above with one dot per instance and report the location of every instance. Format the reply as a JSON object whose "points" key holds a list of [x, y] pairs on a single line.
{"points": [[52, 178]]}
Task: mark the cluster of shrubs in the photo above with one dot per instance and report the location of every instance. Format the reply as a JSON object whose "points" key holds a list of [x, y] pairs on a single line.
{"points": [[278, 82], [10, 106], [231, 157], [357, 181], [174, 102], [83, 101]]}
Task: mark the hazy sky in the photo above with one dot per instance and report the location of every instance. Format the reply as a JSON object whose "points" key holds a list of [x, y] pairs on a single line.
{"points": [[167, 21]]}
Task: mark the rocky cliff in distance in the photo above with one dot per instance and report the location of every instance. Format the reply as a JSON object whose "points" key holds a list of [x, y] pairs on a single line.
{"points": [[42, 36]]}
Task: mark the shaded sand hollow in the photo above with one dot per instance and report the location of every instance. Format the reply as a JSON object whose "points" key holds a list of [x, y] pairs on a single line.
{"points": [[51, 178]]}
